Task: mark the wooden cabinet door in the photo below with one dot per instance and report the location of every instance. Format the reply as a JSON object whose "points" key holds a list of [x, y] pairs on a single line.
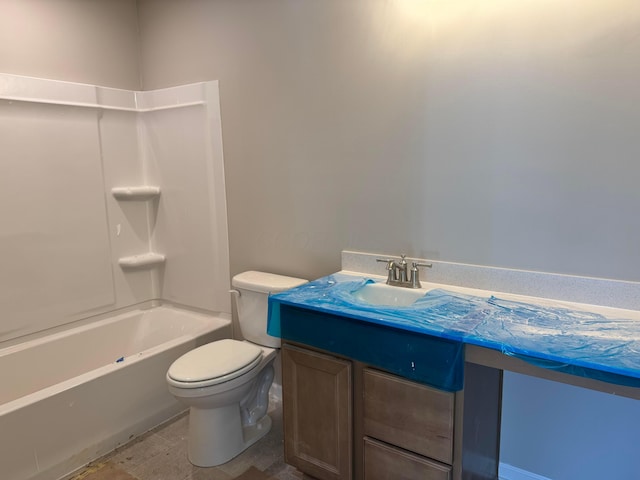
{"points": [[316, 390]]}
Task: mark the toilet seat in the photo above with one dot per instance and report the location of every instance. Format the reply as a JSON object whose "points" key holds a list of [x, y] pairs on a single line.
{"points": [[214, 363]]}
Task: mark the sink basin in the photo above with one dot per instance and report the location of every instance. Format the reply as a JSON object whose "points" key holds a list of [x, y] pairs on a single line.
{"points": [[382, 294]]}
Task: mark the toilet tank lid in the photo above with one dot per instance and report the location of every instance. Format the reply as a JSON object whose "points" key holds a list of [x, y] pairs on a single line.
{"points": [[265, 282]]}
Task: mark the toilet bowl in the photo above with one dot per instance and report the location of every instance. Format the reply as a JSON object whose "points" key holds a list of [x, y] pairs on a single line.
{"points": [[226, 383], [228, 405]]}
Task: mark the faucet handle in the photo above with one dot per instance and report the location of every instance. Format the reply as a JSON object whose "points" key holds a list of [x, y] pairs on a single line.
{"points": [[390, 262], [416, 265], [415, 273], [391, 268]]}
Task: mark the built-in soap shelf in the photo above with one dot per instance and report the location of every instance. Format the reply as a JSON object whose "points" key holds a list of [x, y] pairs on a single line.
{"points": [[136, 192], [142, 260]]}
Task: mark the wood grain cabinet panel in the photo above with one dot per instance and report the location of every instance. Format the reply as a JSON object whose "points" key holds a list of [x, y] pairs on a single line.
{"points": [[383, 462], [411, 416], [317, 415]]}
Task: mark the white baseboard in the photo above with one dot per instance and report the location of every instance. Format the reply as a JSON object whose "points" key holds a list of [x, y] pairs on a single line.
{"points": [[508, 472]]}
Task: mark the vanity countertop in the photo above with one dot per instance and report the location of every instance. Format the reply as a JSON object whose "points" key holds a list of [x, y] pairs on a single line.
{"points": [[586, 340]]}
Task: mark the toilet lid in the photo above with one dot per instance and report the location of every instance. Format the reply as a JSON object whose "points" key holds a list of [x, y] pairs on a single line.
{"points": [[224, 360]]}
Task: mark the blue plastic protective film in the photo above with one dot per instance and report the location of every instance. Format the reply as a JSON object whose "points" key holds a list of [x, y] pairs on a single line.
{"points": [[423, 358], [580, 343]]}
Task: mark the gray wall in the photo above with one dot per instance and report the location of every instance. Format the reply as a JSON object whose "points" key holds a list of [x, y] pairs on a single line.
{"points": [[498, 133], [568, 433], [85, 41]]}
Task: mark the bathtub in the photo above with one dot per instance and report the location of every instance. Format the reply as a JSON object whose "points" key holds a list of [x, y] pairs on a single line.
{"points": [[71, 397]]}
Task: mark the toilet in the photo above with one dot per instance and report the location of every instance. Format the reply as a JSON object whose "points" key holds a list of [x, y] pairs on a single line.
{"points": [[226, 383]]}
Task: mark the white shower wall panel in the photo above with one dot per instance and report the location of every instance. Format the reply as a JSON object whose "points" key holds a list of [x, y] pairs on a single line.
{"points": [[64, 147], [54, 250], [183, 153]]}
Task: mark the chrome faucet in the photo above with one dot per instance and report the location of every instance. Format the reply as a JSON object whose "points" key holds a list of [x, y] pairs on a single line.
{"points": [[397, 272], [401, 270]]}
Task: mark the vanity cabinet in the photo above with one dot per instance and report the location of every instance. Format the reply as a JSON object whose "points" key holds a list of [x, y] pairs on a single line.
{"points": [[405, 430], [358, 403]]}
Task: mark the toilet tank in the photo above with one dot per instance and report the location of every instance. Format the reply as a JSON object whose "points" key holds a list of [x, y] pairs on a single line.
{"points": [[252, 305]]}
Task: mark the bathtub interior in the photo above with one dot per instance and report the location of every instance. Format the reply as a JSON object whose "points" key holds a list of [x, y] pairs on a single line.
{"points": [[52, 431], [53, 359]]}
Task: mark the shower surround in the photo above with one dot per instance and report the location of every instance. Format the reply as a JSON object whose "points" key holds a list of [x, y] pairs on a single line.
{"points": [[114, 260]]}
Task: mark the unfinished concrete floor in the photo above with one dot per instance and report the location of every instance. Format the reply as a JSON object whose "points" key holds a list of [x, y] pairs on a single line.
{"points": [[161, 454]]}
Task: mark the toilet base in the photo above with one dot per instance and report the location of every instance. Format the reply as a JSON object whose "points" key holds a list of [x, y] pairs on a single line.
{"points": [[216, 435], [255, 432]]}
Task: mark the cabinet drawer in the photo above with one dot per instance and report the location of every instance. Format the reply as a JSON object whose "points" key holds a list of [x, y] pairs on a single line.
{"points": [[410, 415], [383, 462]]}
